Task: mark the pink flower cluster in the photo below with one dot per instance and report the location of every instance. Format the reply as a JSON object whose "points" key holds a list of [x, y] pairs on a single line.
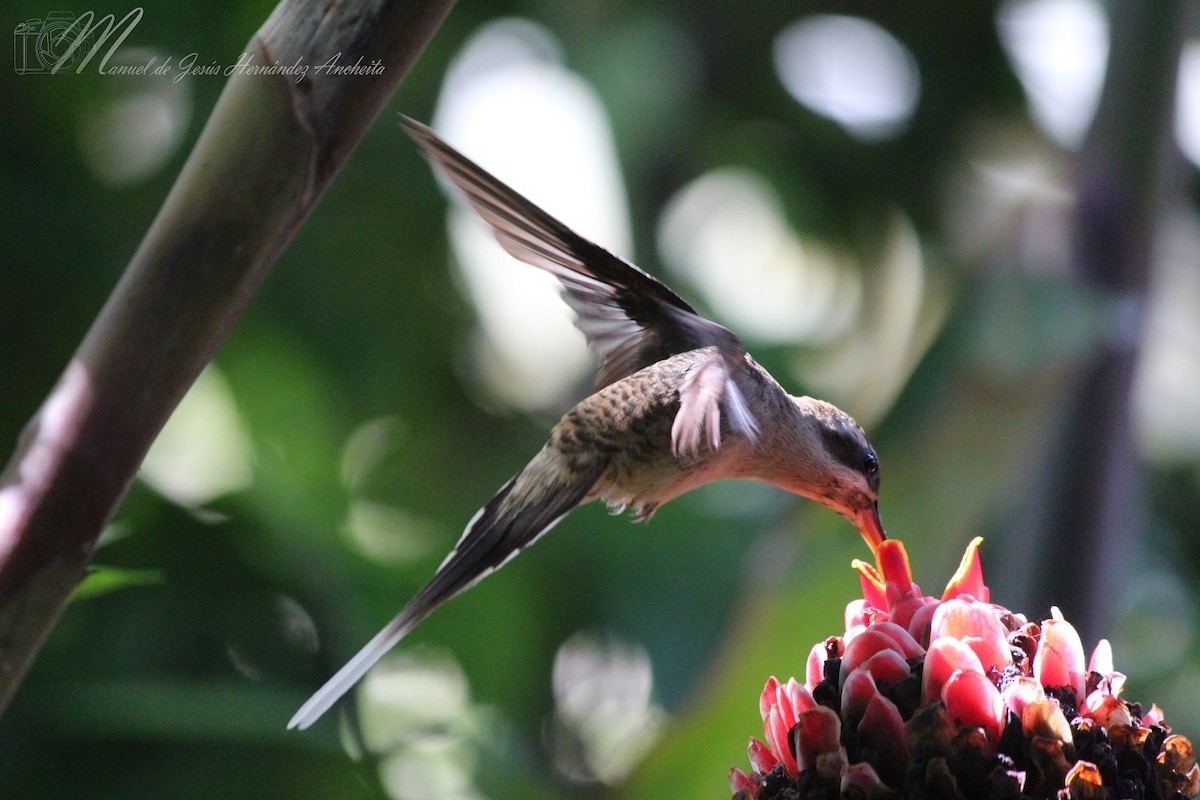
{"points": [[957, 693]]}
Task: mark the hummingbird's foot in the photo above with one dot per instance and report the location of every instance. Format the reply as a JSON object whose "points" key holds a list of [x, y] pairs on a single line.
{"points": [[644, 512], [640, 512], [615, 507]]}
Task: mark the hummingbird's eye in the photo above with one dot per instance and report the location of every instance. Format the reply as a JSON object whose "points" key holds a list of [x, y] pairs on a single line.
{"points": [[870, 465]]}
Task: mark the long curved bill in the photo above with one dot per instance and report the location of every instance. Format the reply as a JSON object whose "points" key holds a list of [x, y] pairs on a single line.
{"points": [[870, 526]]}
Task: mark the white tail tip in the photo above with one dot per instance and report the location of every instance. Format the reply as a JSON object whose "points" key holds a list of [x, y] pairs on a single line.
{"points": [[345, 678]]}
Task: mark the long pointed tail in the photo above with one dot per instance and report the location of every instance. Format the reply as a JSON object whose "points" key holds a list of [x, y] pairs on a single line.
{"points": [[518, 515], [350, 674]]}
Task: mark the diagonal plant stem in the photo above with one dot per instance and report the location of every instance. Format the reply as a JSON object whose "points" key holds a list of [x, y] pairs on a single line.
{"points": [[270, 148]]}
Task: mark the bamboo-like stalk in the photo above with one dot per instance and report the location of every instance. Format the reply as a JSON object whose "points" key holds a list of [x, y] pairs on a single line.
{"points": [[270, 148]]}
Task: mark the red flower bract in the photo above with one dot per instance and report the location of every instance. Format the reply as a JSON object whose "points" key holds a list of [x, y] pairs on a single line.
{"points": [[959, 698]]}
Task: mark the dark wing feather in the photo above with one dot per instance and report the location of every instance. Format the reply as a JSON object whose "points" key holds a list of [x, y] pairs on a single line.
{"points": [[630, 319]]}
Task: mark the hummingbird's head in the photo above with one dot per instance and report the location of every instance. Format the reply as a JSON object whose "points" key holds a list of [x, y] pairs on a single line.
{"points": [[845, 468]]}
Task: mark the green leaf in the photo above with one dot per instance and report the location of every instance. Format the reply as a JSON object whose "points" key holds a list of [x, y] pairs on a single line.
{"points": [[105, 580]]}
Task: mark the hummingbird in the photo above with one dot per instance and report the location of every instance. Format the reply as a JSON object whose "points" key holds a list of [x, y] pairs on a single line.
{"points": [[678, 403]]}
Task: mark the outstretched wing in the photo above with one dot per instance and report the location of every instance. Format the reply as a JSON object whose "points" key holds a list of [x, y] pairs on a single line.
{"points": [[630, 319]]}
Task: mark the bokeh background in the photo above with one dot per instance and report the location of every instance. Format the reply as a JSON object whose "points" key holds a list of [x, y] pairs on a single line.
{"points": [[881, 202]]}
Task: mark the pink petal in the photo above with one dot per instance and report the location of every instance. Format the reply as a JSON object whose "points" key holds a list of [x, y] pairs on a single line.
{"points": [[907, 644], [1154, 716], [905, 608], [814, 671], [945, 656], [968, 579], [1110, 684], [887, 666], [1107, 710], [777, 738], [769, 696], [882, 730], [872, 615], [1101, 661], [1059, 657], [894, 567], [741, 782], [874, 593], [903, 596], [972, 700], [854, 615], [761, 757], [784, 707], [820, 732], [919, 626], [976, 625], [857, 692], [1020, 692], [865, 645], [798, 698]]}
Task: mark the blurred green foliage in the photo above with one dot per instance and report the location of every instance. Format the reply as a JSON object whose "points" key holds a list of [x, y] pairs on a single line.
{"points": [[179, 661]]}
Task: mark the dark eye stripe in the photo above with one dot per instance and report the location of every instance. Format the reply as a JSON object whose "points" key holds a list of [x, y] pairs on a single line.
{"points": [[844, 447], [853, 452]]}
